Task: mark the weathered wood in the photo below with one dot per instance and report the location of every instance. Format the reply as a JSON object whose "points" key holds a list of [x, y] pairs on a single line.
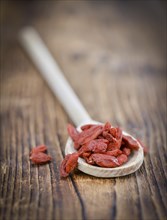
{"points": [[114, 58]]}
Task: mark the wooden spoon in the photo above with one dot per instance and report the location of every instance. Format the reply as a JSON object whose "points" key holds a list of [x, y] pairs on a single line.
{"points": [[50, 71]]}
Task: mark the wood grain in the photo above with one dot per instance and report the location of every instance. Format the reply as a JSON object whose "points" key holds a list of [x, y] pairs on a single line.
{"points": [[113, 56]]}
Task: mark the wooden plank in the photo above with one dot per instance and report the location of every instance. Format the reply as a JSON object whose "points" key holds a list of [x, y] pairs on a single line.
{"points": [[30, 190]]}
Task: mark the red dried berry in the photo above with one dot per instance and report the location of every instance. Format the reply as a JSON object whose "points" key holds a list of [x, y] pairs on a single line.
{"points": [[68, 164], [40, 148], [114, 137], [130, 142], [114, 153], [87, 126], [116, 132], [104, 160], [126, 151], [107, 126], [99, 145], [73, 133], [96, 146], [122, 159], [72, 162], [86, 154], [40, 158], [89, 134]]}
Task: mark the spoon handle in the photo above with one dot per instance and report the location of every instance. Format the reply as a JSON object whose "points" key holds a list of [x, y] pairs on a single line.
{"points": [[51, 72]]}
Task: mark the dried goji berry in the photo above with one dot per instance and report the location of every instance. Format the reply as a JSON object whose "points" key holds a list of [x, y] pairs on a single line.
{"points": [[126, 151], [87, 126], [107, 126], [89, 134], [73, 133], [130, 142], [116, 132], [122, 159], [72, 162], [114, 153], [114, 143], [40, 148], [113, 132], [63, 172], [69, 164], [115, 138], [83, 149], [99, 145], [86, 154], [104, 160], [96, 146], [111, 147], [40, 158], [76, 145], [107, 136], [89, 160]]}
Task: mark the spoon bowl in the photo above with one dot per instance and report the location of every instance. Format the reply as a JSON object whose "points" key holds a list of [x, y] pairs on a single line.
{"points": [[134, 162]]}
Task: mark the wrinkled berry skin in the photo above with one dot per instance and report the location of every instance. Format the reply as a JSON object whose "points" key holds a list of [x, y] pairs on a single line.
{"points": [[68, 164], [40, 158]]}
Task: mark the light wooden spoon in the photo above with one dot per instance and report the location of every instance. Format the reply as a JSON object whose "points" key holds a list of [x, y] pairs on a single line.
{"points": [[50, 71]]}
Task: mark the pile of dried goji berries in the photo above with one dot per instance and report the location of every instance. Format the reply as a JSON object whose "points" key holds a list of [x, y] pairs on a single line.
{"points": [[98, 145], [38, 155]]}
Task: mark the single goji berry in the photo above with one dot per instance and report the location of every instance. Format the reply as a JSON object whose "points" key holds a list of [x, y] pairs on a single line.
{"points": [[115, 138], [99, 145], [89, 134], [40, 158], [96, 146], [104, 160], [130, 142], [126, 151], [40, 148], [113, 132], [122, 159], [72, 162], [111, 147], [107, 126], [73, 133], [83, 149], [89, 160], [114, 153], [63, 172], [69, 164], [86, 154], [87, 126], [116, 132]]}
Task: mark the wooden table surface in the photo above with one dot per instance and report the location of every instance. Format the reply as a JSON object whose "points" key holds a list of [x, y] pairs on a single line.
{"points": [[113, 55]]}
